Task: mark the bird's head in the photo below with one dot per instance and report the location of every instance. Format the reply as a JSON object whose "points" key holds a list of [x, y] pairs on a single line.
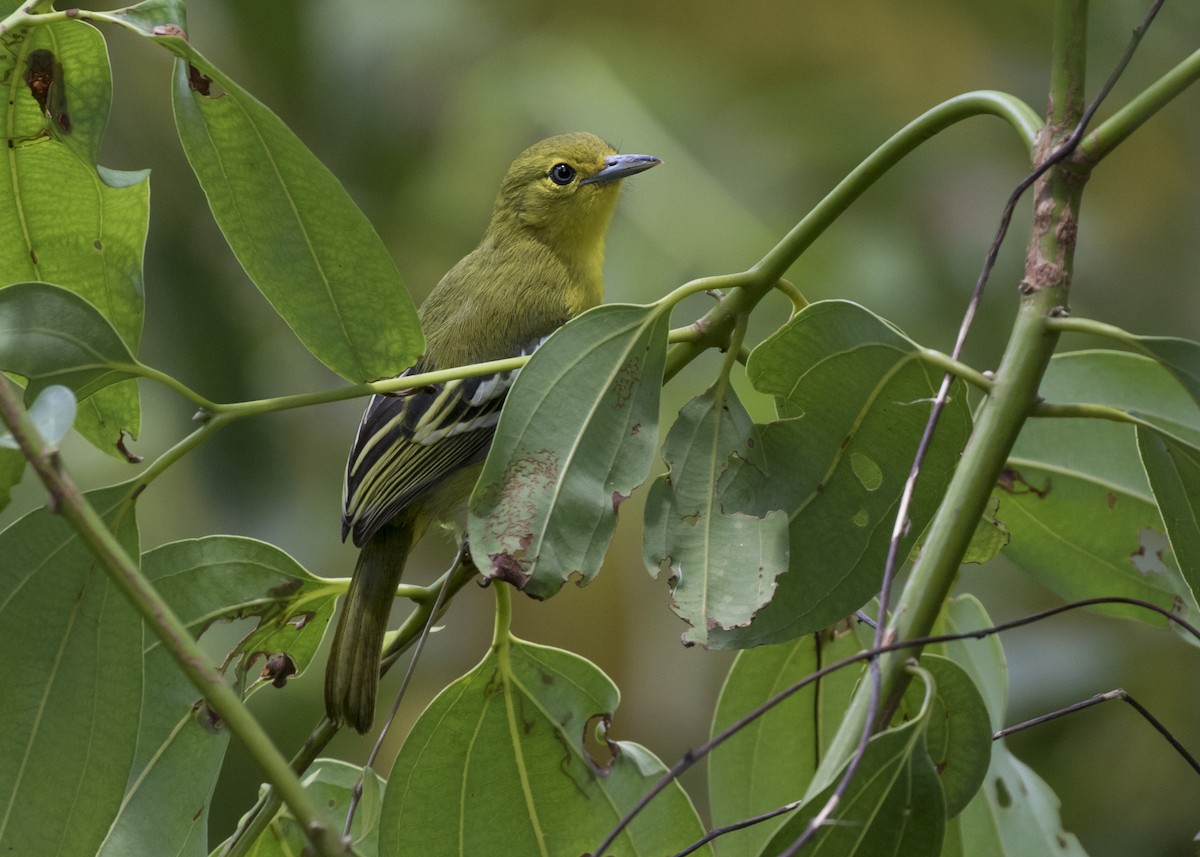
{"points": [[564, 189]]}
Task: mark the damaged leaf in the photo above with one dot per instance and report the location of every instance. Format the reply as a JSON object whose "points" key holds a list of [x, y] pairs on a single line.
{"points": [[1076, 498], [721, 560], [181, 742], [221, 578], [70, 221], [579, 427], [853, 398], [502, 756], [959, 739], [1014, 812]]}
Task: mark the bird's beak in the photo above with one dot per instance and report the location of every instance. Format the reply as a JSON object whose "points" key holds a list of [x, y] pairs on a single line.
{"points": [[620, 166]]}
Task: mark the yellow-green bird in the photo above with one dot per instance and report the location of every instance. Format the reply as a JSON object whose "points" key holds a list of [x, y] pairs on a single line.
{"points": [[417, 455]]}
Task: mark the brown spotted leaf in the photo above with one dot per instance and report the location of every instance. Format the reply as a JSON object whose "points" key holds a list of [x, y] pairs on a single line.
{"points": [[577, 435]]}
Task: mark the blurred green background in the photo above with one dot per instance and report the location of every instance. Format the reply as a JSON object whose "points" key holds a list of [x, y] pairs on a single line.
{"points": [[757, 109]]}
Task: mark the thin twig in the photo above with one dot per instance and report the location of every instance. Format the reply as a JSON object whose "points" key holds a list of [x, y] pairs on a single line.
{"points": [[737, 825], [1108, 696]]}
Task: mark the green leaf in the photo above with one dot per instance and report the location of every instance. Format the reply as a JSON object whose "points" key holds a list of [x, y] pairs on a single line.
{"points": [[516, 758], [72, 679], [853, 399], [722, 561], [12, 468], [982, 659], [1075, 496], [330, 782], [960, 736], [67, 220], [294, 229], [770, 762], [576, 436], [50, 335], [894, 803], [1014, 813], [1181, 357], [1173, 468]]}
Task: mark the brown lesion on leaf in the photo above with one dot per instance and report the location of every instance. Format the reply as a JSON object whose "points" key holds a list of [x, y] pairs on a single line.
{"points": [[625, 383], [199, 82], [209, 717], [513, 511], [508, 568], [1012, 482], [169, 30], [278, 669], [129, 456], [617, 499], [45, 78], [599, 751]]}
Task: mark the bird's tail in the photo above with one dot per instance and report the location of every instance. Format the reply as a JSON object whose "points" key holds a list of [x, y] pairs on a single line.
{"points": [[352, 674]]}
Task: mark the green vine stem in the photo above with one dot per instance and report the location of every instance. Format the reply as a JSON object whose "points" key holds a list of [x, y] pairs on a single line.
{"points": [[1096, 145], [124, 572], [946, 363], [1043, 294], [754, 283]]}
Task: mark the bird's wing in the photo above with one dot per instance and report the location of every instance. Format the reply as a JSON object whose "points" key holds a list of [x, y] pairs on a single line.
{"points": [[409, 442]]}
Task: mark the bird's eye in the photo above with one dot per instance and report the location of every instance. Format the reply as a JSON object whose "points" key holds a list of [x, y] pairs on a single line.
{"points": [[562, 174]]}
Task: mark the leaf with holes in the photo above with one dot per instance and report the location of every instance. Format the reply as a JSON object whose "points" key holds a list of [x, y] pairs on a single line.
{"points": [[1014, 813], [853, 399], [722, 561], [230, 577], [68, 220], [179, 753]]}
